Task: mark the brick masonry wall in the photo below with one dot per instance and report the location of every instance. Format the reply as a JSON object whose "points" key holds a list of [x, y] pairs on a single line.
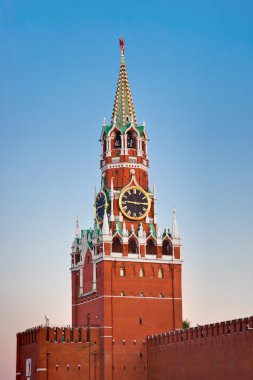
{"points": [[59, 354], [211, 352]]}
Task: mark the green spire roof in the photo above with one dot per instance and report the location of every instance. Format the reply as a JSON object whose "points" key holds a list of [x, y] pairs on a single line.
{"points": [[123, 109]]}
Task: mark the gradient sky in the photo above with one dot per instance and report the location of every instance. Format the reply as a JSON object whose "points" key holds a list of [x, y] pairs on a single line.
{"points": [[190, 67]]}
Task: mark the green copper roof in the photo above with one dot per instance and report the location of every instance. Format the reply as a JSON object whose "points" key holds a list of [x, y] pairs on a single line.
{"points": [[123, 129], [152, 229], [106, 129], [119, 227], [140, 129], [166, 232]]}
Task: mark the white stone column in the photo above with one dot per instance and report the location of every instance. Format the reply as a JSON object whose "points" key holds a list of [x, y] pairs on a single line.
{"points": [[122, 145], [126, 149], [139, 151], [108, 147], [94, 283], [81, 280], [111, 198]]}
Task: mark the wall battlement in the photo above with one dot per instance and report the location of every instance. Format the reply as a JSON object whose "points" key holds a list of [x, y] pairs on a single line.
{"points": [[67, 334], [217, 351], [58, 353], [235, 326]]}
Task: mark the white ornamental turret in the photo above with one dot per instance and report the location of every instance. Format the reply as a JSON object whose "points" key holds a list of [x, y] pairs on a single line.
{"points": [[77, 230], [105, 228], [175, 232]]}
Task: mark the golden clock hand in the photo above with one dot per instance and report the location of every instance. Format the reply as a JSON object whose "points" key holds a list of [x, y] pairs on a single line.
{"points": [[137, 203], [100, 207]]}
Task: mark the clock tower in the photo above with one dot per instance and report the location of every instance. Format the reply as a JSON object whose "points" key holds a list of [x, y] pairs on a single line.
{"points": [[126, 272]]}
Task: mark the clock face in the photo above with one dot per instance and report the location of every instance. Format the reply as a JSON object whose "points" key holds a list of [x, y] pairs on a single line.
{"points": [[100, 206], [134, 203]]}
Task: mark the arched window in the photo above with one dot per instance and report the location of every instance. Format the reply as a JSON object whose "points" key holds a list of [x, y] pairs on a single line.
{"points": [[117, 141], [151, 247], [122, 271], [132, 246], [130, 140], [160, 272], [167, 248], [116, 245], [142, 272]]}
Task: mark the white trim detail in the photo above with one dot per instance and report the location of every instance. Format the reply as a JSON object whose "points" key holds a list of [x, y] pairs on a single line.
{"points": [[124, 165], [133, 255], [105, 336], [130, 297], [140, 260], [117, 254], [150, 257], [41, 370], [88, 293]]}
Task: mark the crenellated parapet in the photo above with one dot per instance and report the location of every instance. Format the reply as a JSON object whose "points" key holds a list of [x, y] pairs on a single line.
{"points": [[67, 334], [226, 328], [222, 350], [58, 353]]}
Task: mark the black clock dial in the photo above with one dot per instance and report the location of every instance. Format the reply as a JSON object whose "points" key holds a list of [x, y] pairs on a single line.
{"points": [[134, 203], [100, 206]]}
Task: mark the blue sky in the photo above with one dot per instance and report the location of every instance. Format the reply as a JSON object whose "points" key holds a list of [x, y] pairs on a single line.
{"points": [[190, 71]]}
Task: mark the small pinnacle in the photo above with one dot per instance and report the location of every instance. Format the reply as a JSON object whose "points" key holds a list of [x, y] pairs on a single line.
{"points": [[77, 231]]}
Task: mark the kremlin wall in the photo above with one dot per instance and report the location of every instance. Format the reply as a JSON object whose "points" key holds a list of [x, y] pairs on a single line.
{"points": [[126, 279], [216, 351]]}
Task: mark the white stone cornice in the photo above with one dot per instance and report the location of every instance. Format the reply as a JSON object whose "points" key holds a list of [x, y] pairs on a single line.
{"points": [[164, 260], [124, 165]]}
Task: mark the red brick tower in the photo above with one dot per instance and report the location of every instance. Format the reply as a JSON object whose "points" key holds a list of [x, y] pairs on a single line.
{"points": [[126, 274]]}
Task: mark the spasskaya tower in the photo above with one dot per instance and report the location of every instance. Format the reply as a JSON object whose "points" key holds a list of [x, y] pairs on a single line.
{"points": [[126, 272]]}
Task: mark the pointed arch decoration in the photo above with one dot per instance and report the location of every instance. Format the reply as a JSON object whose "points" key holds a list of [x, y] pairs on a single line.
{"points": [[160, 272], [132, 245], [117, 244], [117, 140], [166, 247], [142, 272], [122, 271], [151, 248], [131, 139]]}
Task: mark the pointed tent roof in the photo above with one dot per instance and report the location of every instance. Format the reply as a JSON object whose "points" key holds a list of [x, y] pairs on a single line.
{"points": [[123, 110], [175, 231]]}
